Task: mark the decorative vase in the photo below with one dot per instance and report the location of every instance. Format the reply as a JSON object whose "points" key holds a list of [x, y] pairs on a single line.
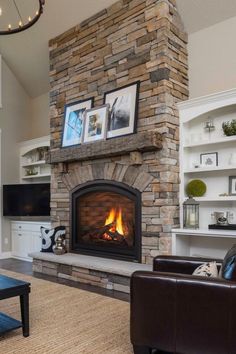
{"points": [[59, 248]]}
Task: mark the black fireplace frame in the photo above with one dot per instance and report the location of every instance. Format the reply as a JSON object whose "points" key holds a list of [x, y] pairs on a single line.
{"points": [[109, 252]]}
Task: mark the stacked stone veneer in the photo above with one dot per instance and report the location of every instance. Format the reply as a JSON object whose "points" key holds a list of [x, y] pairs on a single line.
{"points": [[131, 40], [105, 280]]}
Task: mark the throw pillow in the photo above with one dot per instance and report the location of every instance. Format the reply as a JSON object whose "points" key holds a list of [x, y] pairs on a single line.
{"points": [[49, 237], [228, 269], [207, 270]]}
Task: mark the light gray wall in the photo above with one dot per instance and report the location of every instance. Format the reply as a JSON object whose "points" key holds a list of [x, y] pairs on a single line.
{"points": [[40, 125], [15, 126], [212, 59]]}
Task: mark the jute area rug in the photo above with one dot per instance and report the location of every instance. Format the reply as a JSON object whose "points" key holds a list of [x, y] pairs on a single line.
{"points": [[67, 320]]}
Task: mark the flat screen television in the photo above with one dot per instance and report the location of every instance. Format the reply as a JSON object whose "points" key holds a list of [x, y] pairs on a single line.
{"points": [[26, 199]]}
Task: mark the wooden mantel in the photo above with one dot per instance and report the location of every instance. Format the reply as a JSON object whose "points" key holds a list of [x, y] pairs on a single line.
{"points": [[142, 142]]}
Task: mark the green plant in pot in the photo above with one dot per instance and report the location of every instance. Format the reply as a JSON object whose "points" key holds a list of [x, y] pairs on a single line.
{"points": [[196, 188], [229, 128]]}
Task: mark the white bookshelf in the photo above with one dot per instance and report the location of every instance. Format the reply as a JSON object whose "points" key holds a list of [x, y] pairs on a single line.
{"points": [[209, 170], [209, 142], [215, 199], [33, 166], [37, 163], [194, 141], [202, 243], [37, 176]]}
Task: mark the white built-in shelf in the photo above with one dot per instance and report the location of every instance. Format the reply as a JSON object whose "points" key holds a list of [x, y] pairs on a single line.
{"points": [[222, 140], [196, 141], [202, 242], [39, 175], [32, 160], [36, 163], [216, 199], [206, 232], [212, 169]]}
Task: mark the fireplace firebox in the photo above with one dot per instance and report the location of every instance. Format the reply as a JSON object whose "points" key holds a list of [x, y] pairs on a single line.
{"points": [[106, 220]]}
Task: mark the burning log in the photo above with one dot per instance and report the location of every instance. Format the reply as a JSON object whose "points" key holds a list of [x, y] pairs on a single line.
{"points": [[98, 232], [105, 234], [115, 230], [115, 236]]}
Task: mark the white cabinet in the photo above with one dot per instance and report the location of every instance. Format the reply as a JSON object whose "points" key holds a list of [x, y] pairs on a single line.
{"points": [[33, 166], [196, 140], [26, 237]]}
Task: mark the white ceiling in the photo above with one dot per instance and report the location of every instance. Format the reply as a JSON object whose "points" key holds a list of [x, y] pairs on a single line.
{"points": [[199, 14], [26, 53]]}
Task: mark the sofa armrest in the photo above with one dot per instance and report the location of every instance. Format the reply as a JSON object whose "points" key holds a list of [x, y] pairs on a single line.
{"points": [[152, 318], [182, 265], [166, 307]]}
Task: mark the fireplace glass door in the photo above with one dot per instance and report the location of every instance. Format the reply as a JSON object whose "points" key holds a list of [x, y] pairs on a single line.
{"points": [[106, 221]]}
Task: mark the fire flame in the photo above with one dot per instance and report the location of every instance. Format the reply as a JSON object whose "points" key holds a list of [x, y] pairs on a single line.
{"points": [[115, 218]]}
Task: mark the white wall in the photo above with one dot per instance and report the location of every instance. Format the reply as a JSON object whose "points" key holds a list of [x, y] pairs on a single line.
{"points": [[40, 116], [15, 126], [212, 59], [21, 118]]}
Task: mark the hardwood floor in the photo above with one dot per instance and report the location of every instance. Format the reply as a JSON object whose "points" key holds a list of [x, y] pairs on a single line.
{"points": [[23, 267], [16, 265]]}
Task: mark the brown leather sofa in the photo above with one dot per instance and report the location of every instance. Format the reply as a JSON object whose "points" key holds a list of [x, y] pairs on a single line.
{"points": [[176, 312]]}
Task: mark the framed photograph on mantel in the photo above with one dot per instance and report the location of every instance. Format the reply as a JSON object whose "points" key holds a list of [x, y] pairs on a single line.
{"points": [[74, 116], [95, 127], [123, 111]]}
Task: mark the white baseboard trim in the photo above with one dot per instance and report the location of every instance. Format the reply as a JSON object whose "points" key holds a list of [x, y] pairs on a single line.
{"points": [[5, 255], [23, 259]]}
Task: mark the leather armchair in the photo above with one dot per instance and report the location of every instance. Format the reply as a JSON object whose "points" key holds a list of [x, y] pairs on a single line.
{"points": [[176, 312]]}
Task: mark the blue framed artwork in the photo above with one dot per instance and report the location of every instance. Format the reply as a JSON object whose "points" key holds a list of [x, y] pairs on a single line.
{"points": [[74, 120]]}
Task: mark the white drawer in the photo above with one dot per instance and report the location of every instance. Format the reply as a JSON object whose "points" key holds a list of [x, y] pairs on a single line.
{"points": [[28, 226]]}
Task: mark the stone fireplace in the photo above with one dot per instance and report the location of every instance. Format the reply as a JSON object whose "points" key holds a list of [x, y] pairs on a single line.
{"points": [[119, 197], [106, 220]]}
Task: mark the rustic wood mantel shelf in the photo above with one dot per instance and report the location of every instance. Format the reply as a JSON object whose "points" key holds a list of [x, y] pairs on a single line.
{"points": [[142, 142]]}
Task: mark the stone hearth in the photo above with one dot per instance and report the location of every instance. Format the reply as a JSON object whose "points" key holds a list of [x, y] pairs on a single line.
{"points": [[133, 40], [104, 273]]}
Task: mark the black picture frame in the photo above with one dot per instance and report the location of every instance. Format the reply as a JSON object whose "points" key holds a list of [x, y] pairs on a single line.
{"points": [[84, 104], [110, 96], [232, 191], [209, 154]]}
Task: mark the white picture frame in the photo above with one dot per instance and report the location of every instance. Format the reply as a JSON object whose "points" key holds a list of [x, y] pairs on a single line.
{"points": [[95, 126]]}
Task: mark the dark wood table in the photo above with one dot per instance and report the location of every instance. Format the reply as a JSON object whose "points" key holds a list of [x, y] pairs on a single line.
{"points": [[10, 287]]}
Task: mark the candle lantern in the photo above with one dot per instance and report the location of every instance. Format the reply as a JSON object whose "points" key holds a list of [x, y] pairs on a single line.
{"points": [[191, 214]]}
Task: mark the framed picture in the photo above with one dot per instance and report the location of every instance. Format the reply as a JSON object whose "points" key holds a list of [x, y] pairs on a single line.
{"points": [[232, 185], [123, 111], [95, 127], [209, 159], [74, 122]]}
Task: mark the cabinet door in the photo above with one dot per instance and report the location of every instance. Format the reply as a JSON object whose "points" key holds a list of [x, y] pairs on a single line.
{"points": [[36, 242], [16, 240], [26, 238], [21, 243], [28, 241]]}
